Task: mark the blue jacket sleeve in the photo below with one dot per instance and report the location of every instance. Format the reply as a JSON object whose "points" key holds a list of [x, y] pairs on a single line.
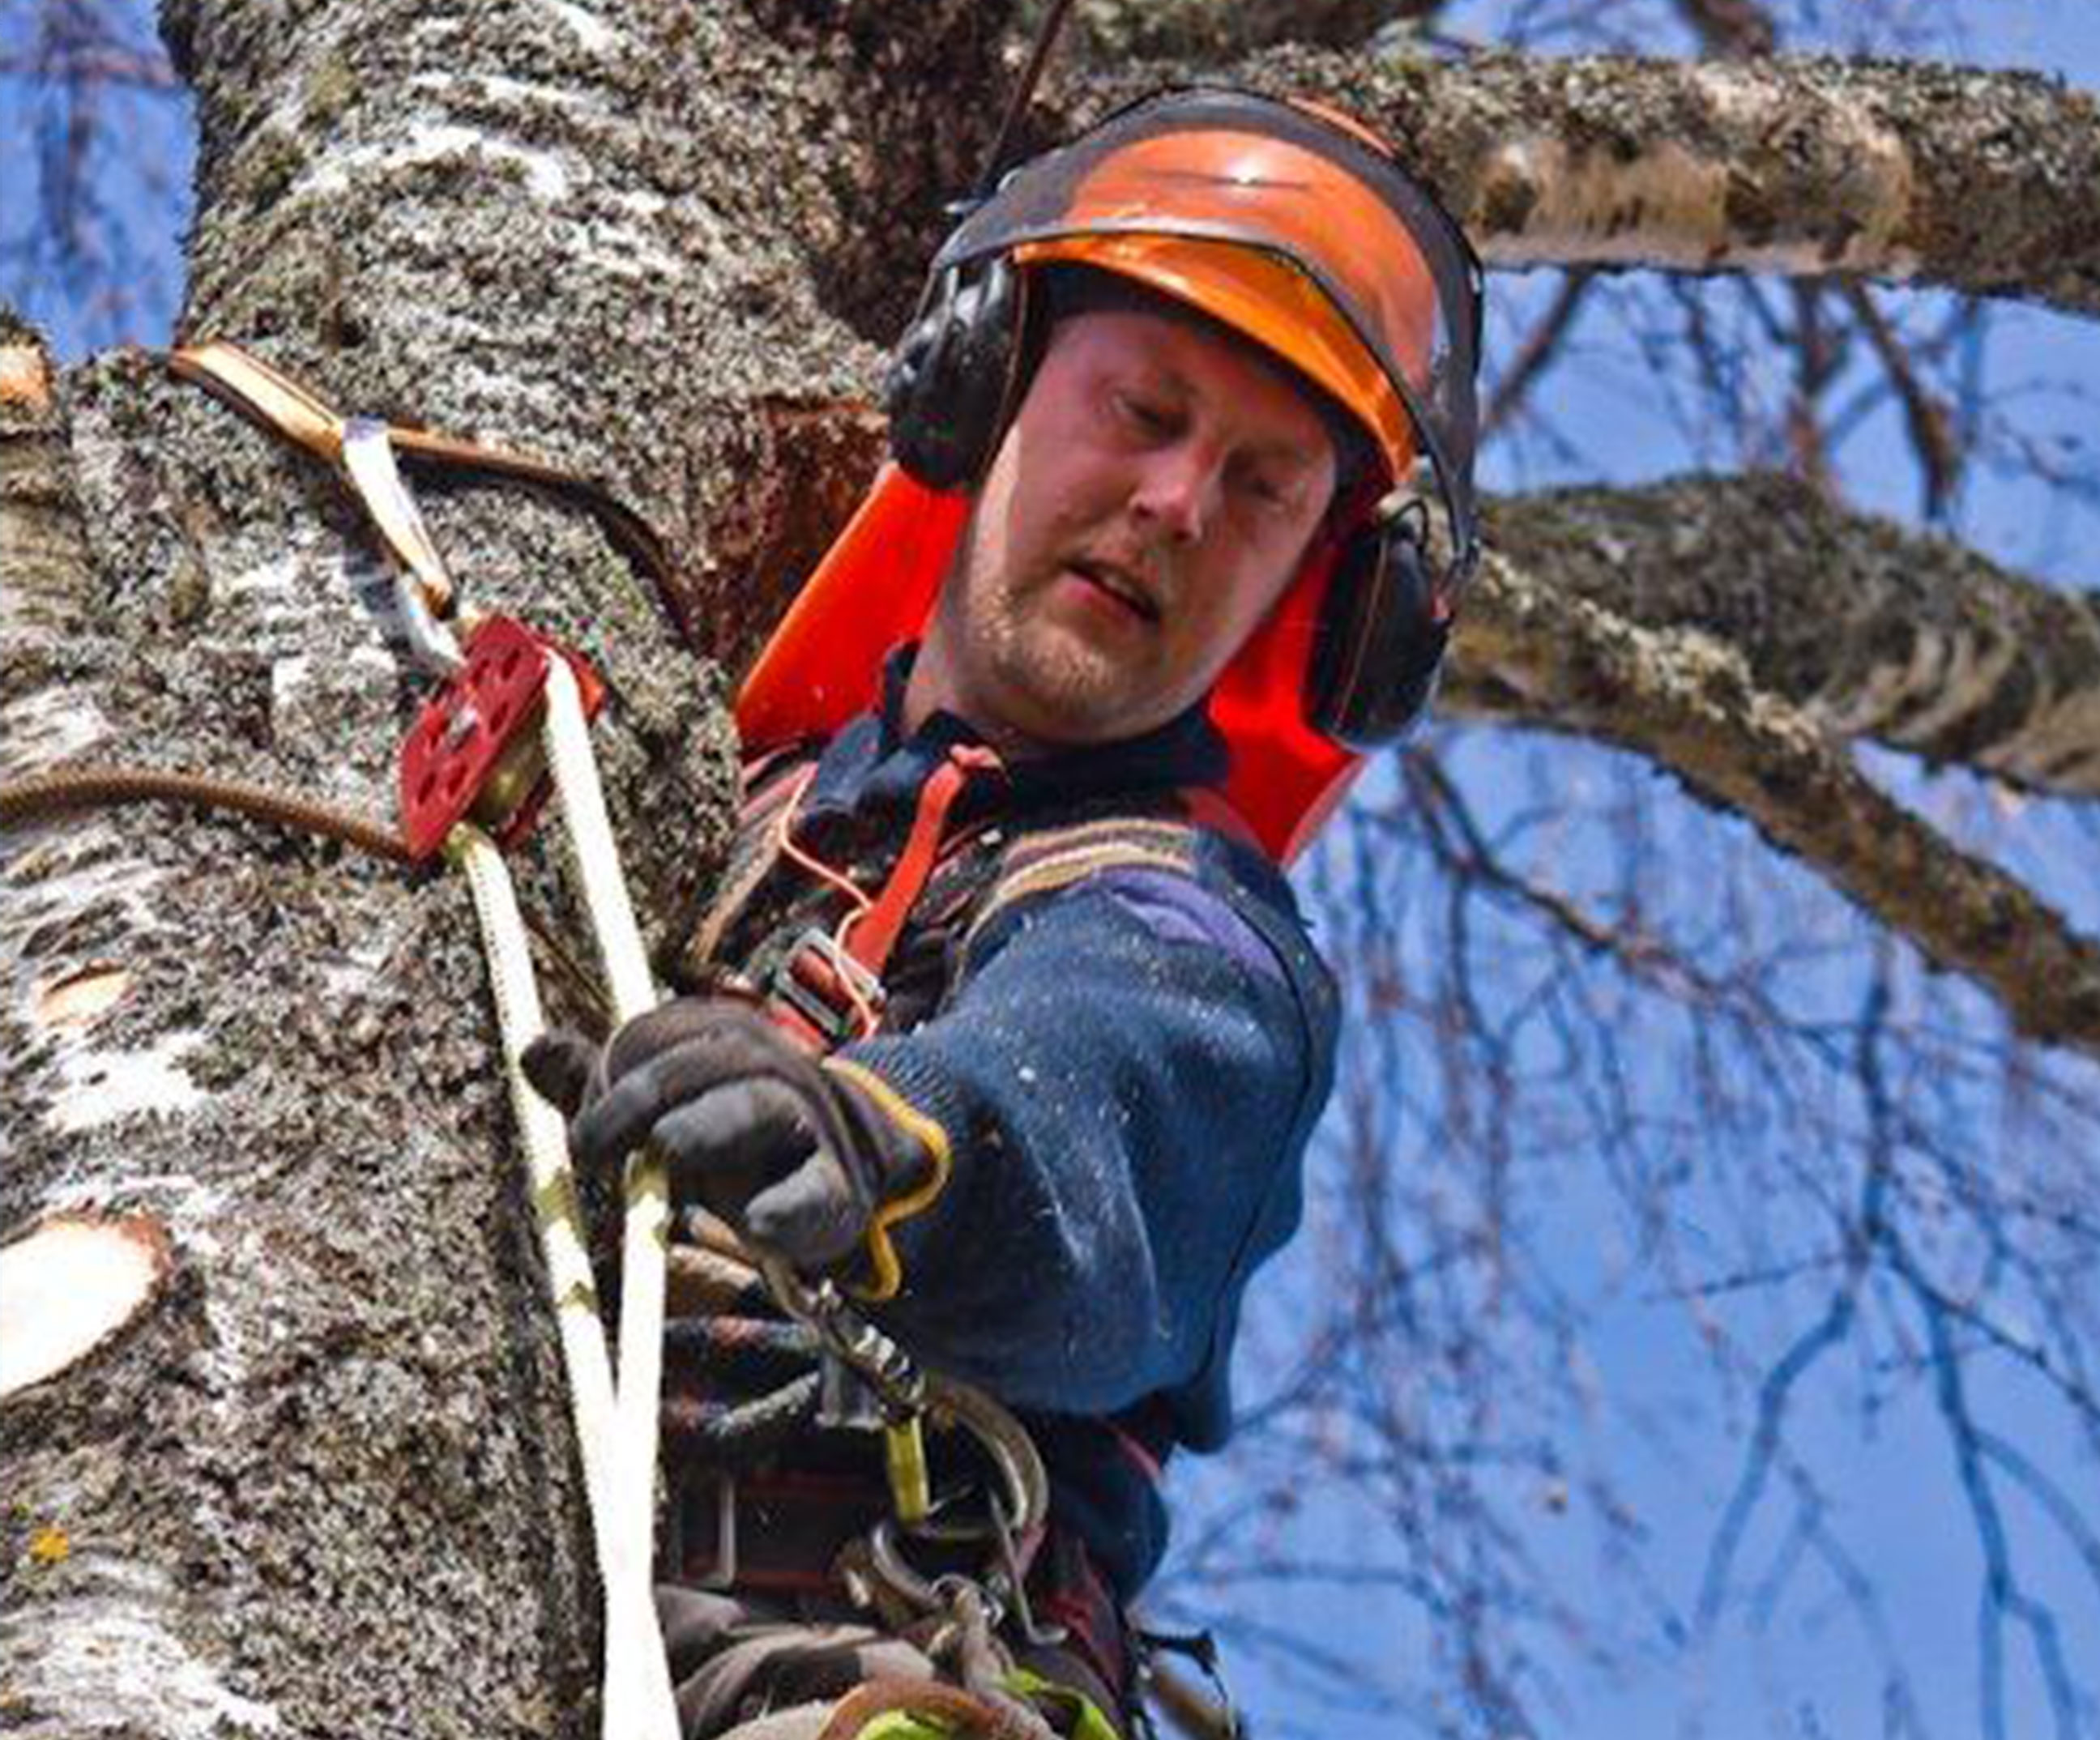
{"points": [[1127, 1074]]}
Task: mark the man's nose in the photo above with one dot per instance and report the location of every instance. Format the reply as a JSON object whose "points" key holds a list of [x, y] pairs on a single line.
{"points": [[1178, 491]]}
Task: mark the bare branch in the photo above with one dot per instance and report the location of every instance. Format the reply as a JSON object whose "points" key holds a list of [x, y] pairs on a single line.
{"points": [[99, 63], [1688, 702], [1908, 172], [1816, 359], [1931, 427], [1737, 27], [1872, 630]]}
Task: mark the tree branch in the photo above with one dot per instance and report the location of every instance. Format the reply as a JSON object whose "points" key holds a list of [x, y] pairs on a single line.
{"points": [[1736, 27], [1983, 181], [1928, 421], [1689, 702], [1872, 630]]}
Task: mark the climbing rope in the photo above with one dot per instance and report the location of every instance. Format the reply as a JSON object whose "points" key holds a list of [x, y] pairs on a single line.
{"points": [[637, 1686], [615, 1424], [87, 785]]}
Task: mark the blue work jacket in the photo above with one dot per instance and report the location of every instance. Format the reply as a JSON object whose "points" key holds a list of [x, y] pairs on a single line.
{"points": [[1128, 1069]]}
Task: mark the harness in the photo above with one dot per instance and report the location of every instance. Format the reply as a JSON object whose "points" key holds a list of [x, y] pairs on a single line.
{"points": [[838, 941], [784, 917]]}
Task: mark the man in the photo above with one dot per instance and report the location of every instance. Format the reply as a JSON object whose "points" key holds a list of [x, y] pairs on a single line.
{"points": [[1004, 1018]]}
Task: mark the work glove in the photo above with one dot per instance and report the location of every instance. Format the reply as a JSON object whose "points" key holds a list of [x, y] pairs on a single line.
{"points": [[793, 1155]]}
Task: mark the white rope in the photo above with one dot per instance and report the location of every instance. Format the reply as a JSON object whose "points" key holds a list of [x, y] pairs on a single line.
{"points": [[637, 1691], [647, 1224], [574, 766]]}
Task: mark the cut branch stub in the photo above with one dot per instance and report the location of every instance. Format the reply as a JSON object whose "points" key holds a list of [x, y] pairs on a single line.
{"points": [[25, 377], [79, 998], [806, 467], [70, 1282]]}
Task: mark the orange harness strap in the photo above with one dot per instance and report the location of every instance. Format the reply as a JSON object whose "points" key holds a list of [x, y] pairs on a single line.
{"points": [[874, 932], [830, 992]]}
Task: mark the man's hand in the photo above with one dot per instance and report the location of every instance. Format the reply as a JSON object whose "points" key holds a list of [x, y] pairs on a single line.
{"points": [[750, 1125]]}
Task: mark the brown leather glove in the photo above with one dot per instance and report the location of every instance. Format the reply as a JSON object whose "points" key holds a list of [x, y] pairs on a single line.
{"points": [[793, 1155]]}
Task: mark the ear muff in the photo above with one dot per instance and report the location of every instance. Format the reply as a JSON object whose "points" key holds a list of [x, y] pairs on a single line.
{"points": [[1380, 640], [952, 380]]}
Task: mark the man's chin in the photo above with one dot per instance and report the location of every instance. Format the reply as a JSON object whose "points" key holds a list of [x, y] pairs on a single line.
{"points": [[1078, 718], [1062, 703]]}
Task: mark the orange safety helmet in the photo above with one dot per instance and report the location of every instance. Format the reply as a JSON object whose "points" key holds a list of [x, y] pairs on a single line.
{"points": [[1291, 226]]}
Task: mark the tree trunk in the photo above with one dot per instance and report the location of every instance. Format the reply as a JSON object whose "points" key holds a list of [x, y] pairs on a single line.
{"points": [[323, 1483]]}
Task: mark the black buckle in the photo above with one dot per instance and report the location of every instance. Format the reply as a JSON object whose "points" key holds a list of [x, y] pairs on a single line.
{"points": [[844, 993]]}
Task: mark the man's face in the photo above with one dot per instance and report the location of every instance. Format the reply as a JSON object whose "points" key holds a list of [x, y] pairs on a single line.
{"points": [[1152, 498]]}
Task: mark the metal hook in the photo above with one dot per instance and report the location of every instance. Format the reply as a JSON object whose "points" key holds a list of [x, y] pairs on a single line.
{"points": [[1016, 1579]]}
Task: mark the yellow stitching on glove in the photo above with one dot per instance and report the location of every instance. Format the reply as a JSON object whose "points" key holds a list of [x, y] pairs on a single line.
{"points": [[882, 1254]]}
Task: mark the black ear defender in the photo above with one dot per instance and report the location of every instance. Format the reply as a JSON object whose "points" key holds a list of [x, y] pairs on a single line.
{"points": [[1385, 624], [955, 374], [1380, 640]]}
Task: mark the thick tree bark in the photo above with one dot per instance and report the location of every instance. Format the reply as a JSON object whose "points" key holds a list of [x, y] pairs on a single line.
{"points": [[324, 1485]]}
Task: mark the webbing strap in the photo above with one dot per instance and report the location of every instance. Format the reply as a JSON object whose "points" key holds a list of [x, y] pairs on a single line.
{"points": [[637, 1690], [634, 1652], [829, 990], [873, 933], [280, 403], [766, 810]]}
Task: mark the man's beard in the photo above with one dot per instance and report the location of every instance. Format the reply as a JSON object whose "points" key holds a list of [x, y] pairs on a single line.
{"points": [[1072, 685]]}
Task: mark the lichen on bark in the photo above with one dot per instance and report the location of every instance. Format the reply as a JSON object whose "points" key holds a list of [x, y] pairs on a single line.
{"points": [[1978, 181], [1915, 640]]}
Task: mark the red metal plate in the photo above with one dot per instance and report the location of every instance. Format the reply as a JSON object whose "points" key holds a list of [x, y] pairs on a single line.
{"points": [[475, 748]]}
